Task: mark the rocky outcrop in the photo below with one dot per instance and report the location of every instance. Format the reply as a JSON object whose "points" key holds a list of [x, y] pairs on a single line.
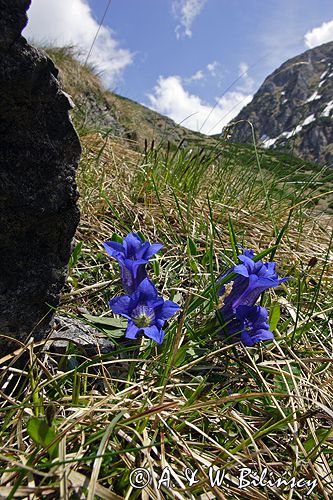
{"points": [[293, 109], [39, 154]]}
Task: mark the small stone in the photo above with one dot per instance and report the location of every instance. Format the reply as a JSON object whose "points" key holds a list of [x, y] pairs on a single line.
{"points": [[87, 338]]}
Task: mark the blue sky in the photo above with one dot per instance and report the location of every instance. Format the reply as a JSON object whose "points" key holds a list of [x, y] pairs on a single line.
{"points": [[197, 61]]}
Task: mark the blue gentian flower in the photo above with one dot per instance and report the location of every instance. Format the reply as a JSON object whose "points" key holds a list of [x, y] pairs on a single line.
{"points": [[239, 312], [250, 325], [145, 310], [132, 256], [252, 279]]}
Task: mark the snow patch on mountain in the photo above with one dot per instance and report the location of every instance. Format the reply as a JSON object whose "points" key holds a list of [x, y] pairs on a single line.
{"points": [[314, 97], [267, 142], [308, 120], [328, 108]]}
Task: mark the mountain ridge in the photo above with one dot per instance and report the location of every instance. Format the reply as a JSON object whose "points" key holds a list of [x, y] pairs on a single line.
{"points": [[293, 108]]}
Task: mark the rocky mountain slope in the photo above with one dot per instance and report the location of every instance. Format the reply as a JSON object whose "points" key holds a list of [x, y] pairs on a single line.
{"points": [[108, 112], [293, 108]]}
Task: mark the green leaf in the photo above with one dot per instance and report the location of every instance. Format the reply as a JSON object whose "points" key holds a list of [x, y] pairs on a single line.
{"points": [[205, 259], [177, 297], [182, 354], [280, 235], [281, 381], [110, 323], [115, 237], [263, 254], [115, 334], [191, 246], [115, 213], [233, 240], [321, 367], [274, 316], [74, 281], [42, 434], [297, 334], [156, 267], [322, 434], [75, 255], [140, 234], [194, 266]]}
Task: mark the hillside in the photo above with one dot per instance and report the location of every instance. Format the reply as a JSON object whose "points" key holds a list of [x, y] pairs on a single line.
{"points": [[293, 108], [98, 109]]}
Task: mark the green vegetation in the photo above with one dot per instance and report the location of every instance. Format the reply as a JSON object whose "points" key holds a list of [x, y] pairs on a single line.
{"points": [[75, 427]]}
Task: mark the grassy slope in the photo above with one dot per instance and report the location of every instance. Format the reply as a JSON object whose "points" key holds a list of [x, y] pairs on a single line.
{"points": [[136, 122], [194, 401]]}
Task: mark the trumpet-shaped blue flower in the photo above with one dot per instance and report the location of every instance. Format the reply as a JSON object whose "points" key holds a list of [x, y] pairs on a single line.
{"points": [[250, 325], [252, 279], [132, 256], [145, 310], [239, 312]]}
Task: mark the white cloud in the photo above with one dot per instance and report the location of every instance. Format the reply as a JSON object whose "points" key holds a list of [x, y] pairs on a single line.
{"points": [[185, 11], [70, 22], [212, 68], [243, 69], [319, 35], [247, 83], [199, 75], [170, 98]]}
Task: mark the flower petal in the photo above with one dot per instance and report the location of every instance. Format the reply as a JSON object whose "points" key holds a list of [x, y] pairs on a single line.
{"points": [[249, 340], [151, 250], [153, 332], [167, 310], [242, 270], [113, 248], [132, 273], [134, 300], [256, 314], [247, 261], [147, 290], [120, 305], [133, 264], [132, 244], [242, 317], [127, 279], [131, 331], [249, 253], [141, 251]]}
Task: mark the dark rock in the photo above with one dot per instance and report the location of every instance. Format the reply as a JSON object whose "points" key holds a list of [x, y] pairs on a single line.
{"points": [[39, 154], [12, 20], [302, 88]]}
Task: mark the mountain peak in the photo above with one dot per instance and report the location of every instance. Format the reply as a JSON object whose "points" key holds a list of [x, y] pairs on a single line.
{"points": [[293, 108]]}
